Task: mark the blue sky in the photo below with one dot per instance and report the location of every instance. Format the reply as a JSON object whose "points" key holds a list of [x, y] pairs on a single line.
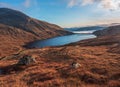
{"points": [[69, 13]]}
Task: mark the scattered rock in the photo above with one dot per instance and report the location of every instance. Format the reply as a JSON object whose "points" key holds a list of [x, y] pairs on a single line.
{"points": [[75, 65], [26, 60]]}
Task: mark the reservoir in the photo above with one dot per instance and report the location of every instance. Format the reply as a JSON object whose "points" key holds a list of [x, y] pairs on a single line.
{"points": [[61, 40]]}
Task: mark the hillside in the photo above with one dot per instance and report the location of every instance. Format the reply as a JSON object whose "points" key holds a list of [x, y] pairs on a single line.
{"points": [[98, 57], [16, 29], [36, 27], [112, 30]]}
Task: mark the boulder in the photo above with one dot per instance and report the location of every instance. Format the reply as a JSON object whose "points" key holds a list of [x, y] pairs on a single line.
{"points": [[75, 65], [26, 60]]}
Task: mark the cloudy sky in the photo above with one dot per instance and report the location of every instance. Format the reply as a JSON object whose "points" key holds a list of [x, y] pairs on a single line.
{"points": [[69, 13]]}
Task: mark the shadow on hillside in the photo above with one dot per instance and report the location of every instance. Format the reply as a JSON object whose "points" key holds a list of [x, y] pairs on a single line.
{"points": [[11, 69]]}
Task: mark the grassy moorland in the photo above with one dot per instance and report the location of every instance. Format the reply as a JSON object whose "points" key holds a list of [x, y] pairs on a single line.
{"points": [[99, 59]]}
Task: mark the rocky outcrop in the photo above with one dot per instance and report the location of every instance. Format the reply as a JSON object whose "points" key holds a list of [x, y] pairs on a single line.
{"points": [[26, 60], [113, 30]]}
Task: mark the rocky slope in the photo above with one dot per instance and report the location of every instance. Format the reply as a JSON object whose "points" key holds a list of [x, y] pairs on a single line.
{"points": [[16, 29]]}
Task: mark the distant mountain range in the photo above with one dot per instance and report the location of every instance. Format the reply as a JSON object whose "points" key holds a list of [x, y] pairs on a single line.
{"points": [[112, 30], [85, 28], [91, 28]]}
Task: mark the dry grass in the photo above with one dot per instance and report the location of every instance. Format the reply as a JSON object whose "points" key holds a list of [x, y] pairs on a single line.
{"points": [[53, 69], [100, 66]]}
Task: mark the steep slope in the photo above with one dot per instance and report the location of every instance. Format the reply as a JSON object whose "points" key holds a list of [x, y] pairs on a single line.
{"points": [[16, 29], [20, 20]]}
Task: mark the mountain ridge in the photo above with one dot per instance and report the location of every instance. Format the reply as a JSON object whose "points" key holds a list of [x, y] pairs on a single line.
{"points": [[85, 28], [20, 20]]}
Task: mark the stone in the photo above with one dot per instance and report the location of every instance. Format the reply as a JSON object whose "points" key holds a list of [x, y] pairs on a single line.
{"points": [[75, 65], [26, 60]]}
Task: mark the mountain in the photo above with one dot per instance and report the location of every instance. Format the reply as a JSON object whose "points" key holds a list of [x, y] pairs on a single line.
{"points": [[36, 27], [16, 29], [85, 28], [112, 30], [112, 24]]}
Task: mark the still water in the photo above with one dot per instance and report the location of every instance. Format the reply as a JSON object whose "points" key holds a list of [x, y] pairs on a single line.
{"points": [[60, 40]]}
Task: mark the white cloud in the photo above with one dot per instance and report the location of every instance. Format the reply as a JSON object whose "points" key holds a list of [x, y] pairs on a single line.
{"points": [[72, 3], [80, 2], [110, 4], [106, 4], [27, 3], [85, 2]]}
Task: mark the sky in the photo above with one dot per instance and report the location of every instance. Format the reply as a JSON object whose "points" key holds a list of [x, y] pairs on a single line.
{"points": [[68, 13]]}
